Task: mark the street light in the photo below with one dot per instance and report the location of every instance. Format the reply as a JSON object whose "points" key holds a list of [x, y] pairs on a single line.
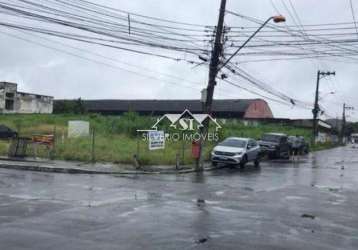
{"points": [[276, 19], [279, 19]]}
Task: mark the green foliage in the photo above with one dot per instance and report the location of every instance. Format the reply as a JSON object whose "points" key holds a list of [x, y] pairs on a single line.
{"points": [[117, 139], [354, 127], [69, 107], [322, 146], [131, 122], [238, 128]]}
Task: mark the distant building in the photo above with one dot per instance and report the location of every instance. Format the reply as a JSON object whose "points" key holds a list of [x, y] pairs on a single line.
{"points": [[325, 130], [12, 101], [232, 108], [335, 123]]}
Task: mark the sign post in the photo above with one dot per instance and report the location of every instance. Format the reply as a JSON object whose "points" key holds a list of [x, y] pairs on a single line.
{"points": [[156, 140]]}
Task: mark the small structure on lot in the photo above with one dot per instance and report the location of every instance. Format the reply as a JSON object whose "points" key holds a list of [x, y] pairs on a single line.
{"points": [[13, 101], [78, 129]]}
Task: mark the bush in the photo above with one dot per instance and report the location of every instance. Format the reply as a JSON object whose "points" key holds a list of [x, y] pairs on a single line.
{"points": [[130, 122], [69, 107]]}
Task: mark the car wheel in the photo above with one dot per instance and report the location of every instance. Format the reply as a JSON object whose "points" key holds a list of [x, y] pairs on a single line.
{"points": [[257, 162], [243, 162], [271, 156], [214, 164], [286, 156]]}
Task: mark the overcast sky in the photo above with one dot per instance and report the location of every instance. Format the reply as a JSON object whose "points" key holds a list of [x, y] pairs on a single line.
{"points": [[42, 70]]}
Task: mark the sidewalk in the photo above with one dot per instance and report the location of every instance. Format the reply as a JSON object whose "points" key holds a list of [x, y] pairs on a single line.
{"points": [[69, 167]]}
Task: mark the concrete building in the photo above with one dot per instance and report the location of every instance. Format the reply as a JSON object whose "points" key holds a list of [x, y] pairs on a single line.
{"points": [[13, 101], [325, 130]]}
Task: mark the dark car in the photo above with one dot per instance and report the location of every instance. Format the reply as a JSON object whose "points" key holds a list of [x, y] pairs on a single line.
{"points": [[275, 145], [7, 133], [304, 146]]}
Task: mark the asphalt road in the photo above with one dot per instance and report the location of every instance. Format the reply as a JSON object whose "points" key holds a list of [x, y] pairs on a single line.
{"points": [[312, 204]]}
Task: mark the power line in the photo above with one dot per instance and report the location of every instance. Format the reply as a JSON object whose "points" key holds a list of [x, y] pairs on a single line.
{"points": [[87, 28], [269, 89], [258, 94], [137, 73], [298, 26], [298, 35], [222, 93], [143, 16], [77, 38], [353, 15]]}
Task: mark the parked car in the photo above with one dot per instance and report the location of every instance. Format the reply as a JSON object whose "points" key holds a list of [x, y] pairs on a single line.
{"points": [[304, 146], [354, 138], [236, 151], [7, 133], [275, 145]]}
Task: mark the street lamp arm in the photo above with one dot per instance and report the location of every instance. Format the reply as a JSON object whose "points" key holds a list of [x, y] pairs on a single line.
{"points": [[246, 42]]}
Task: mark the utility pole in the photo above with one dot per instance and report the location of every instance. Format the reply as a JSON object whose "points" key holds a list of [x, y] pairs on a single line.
{"points": [[213, 71], [343, 124], [343, 129], [215, 59], [316, 108]]}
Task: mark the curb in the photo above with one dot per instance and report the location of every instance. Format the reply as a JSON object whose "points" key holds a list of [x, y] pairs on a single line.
{"points": [[47, 169], [13, 159], [50, 169]]}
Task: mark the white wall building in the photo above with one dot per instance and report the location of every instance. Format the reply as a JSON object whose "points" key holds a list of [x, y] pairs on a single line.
{"points": [[13, 102]]}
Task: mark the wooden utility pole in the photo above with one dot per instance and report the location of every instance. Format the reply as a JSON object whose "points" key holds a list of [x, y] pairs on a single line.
{"points": [[215, 59], [343, 129], [213, 71], [316, 108], [343, 124]]}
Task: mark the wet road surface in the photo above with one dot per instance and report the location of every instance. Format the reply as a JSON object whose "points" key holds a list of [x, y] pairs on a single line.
{"points": [[312, 204]]}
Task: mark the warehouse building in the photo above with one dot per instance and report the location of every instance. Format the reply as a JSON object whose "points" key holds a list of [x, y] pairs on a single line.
{"points": [[228, 108]]}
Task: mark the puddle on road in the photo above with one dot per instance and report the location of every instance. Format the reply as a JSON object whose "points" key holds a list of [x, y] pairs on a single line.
{"points": [[219, 193], [328, 188], [226, 210], [154, 196], [295, 198], [120, 197], [133, 211], [337, 198], [208, 202]]}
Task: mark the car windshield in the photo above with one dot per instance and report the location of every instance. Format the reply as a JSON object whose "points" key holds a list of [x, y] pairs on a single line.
{"points": [[271, 138], [291, 138], [233, 143]]}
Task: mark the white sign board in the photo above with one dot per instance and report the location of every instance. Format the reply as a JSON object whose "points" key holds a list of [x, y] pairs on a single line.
{"points": [[78, 129], [156, 140]]}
